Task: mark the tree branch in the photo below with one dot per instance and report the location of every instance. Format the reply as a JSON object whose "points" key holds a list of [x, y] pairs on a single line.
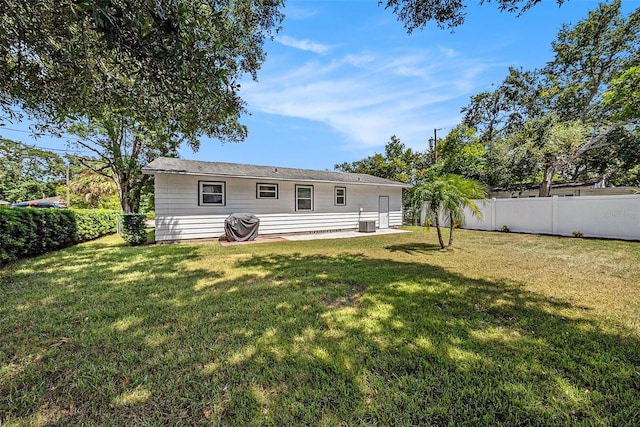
{"points": [[599, 140]]}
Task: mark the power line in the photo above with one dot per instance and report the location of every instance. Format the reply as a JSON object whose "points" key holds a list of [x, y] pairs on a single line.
{"points": [[60, 150], [16, 130], [72, 151]]}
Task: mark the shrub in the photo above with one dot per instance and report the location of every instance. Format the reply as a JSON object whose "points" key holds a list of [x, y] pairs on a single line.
{"points": [[27, 232], [94, 223], [505, 229], [134, 229], [577, 234]]}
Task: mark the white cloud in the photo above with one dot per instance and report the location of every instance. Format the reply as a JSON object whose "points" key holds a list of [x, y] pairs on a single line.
{"points": [[299, 13], [303, 44], [447, 52], [368, 97]]}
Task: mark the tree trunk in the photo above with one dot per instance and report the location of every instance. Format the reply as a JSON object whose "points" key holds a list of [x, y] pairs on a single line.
{"points": [[547, 179], [450, 231], [123, 192], [437, 220]]}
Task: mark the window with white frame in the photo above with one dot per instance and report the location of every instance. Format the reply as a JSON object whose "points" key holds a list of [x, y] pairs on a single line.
{"points": [[341, 196], [304, 197], [211, 193], [266, 191]]}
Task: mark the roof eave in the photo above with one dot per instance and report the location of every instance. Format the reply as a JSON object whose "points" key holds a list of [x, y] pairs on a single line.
{"points": [[150, 171]]}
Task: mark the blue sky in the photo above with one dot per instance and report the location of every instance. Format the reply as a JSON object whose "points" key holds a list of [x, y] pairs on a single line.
{"points": [[343, 76]]}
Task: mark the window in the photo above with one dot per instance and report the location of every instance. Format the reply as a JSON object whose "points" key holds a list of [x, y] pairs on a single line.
{"points": [[266, 191], [211, 193], [304, 197], [341, 196]]}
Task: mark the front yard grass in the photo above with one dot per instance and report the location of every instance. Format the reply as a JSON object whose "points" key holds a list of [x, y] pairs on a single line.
{"points": [[507, 329]]}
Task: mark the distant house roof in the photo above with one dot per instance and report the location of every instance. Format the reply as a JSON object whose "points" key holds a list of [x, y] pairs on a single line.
{"points": [[194, 167], [591, 183], [54, 199]]}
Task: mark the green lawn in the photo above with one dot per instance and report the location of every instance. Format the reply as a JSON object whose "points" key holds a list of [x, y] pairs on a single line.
{"points": [[506, 329]]}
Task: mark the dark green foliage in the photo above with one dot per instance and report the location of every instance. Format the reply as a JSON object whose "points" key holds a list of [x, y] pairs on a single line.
{"points": [[28, 232], [397, 163], [94, 223], [159, 59], [134, 229], [132, 79]]}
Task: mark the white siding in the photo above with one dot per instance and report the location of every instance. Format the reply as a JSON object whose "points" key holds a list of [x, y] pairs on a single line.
{"points": [[178, 215]]}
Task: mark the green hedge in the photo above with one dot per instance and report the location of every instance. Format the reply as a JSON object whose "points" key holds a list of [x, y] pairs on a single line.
{"points": [[27, 232], [94, 223], [134, 229]]}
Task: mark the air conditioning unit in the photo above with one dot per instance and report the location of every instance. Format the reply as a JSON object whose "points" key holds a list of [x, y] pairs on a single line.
{"points": [[367, 226]]}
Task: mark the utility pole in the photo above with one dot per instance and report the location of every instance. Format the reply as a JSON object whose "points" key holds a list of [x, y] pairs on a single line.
{"points": [[68, 197], [435, 144]]}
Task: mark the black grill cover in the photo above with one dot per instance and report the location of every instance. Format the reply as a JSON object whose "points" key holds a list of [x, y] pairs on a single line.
{"points": [[241, 227]]}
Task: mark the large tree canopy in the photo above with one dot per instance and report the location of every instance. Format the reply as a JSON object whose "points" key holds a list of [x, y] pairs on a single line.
{"points": [[415, 14], [123, 144], [179, 61], [396, 163], [133, 78], [585, 92]]}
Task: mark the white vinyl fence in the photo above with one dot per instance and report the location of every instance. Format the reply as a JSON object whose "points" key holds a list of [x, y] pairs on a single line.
{"points": [[616, 217]]}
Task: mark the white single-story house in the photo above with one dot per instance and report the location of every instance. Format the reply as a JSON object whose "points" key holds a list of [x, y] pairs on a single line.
{"points": [[193, 198]]}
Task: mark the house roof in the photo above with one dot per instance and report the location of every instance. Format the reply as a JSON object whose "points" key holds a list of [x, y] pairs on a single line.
{"points": [[170, 165]]}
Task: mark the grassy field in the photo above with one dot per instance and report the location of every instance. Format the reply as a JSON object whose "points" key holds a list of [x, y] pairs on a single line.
{"points": [[506, 329]]}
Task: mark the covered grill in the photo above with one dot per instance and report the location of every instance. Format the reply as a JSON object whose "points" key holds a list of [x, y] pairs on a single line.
{"points": [[241, 227]]}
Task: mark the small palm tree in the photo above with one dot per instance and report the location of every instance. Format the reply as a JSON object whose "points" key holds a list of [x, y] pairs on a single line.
{"points": [[460, 195], [429, 193], [449, 195]]}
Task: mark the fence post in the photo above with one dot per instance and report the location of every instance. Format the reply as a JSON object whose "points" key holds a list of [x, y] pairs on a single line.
{"points": [[493, 214], [554, 215]]}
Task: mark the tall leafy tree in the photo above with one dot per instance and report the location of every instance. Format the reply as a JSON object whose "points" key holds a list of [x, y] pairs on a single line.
{"points": [[136, 77], [28, 173], [588, 58], [496, 114], [617, 164], [180, 61], [397, 163], [531, 107], [622, 98], [123, 145], [462, 153]]}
